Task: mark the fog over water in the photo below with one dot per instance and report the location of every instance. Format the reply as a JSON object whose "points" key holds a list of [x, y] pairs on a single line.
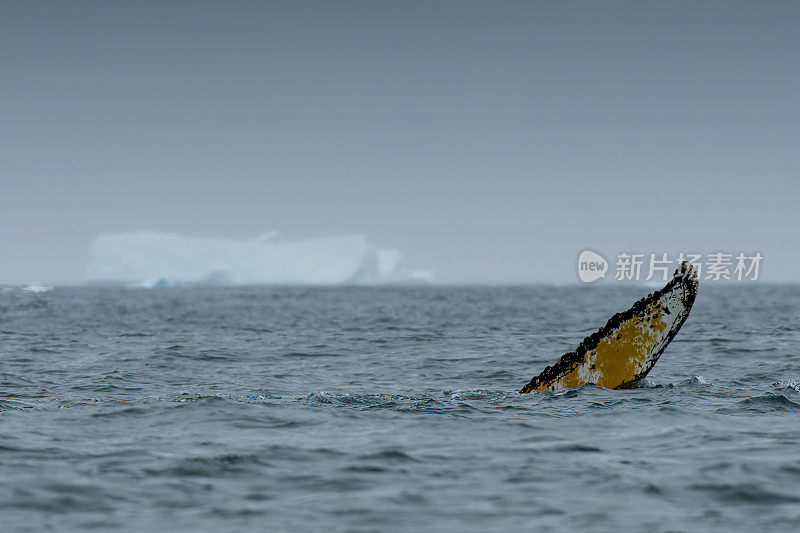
{"points": [[488, 142]]}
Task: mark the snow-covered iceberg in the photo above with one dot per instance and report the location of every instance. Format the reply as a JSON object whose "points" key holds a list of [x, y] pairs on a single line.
{"points": [[134, 257]]}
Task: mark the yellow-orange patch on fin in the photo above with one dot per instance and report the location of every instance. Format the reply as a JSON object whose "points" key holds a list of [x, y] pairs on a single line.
{"points": [[628, 346]]}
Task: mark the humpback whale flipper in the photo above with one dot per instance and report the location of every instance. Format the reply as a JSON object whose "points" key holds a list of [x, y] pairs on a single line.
{"points": [[627, 347]]}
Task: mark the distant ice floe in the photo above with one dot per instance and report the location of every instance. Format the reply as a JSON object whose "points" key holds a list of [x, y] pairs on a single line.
{"points": [[33, 287], [153, 283], [159, 260], [36, 287]]}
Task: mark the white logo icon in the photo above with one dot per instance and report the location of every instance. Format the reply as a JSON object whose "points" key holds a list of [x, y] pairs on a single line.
{"points": [[591, 266]]}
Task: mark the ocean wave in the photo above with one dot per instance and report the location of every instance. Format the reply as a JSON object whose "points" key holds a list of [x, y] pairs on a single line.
{"points": [[747, 493], [365, 401], [222, 465], [6, 405], [764, 404]]}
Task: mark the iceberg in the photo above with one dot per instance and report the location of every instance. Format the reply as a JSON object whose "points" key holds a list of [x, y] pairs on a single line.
{"points": [[154, 260]]}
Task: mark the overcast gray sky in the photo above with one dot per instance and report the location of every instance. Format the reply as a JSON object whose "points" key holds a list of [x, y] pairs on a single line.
{"points": [[489, 141]]}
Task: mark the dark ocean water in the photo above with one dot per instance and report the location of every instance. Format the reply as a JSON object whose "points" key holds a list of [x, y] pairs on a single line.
{"points": [[390, 409]]}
